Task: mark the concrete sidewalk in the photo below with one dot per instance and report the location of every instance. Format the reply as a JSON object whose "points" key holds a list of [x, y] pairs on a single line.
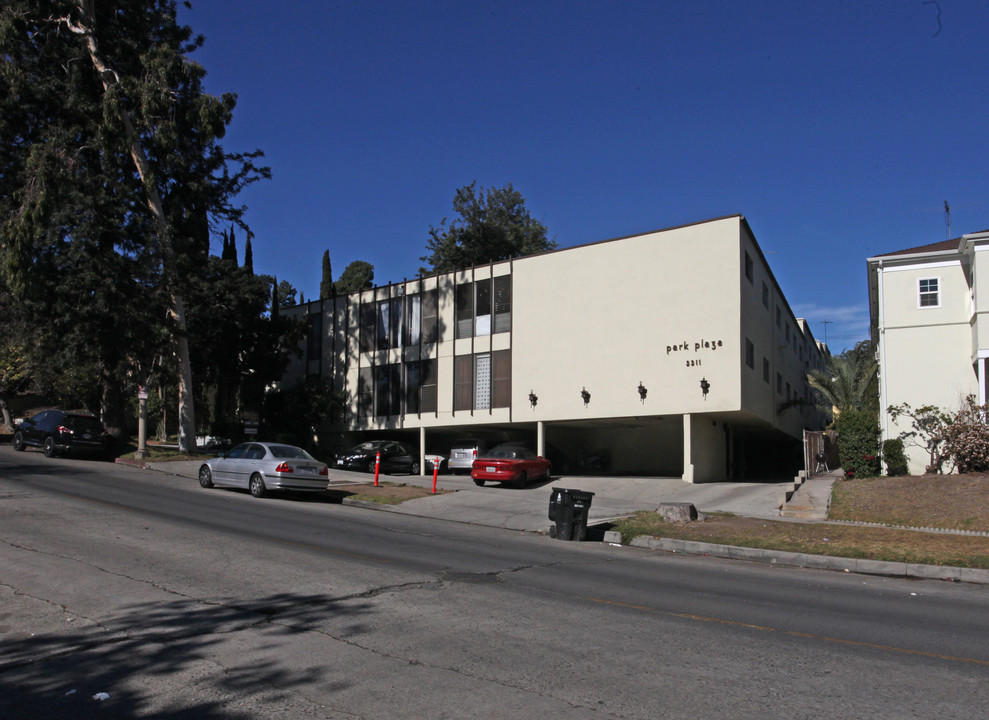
{"points": [[526, 508]]}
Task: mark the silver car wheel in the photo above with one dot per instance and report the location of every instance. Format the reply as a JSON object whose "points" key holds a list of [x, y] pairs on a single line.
{"points": [[258, 489], [205, 477]]}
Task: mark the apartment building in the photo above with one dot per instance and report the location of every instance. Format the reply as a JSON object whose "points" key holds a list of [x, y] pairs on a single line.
{"points": [[669, 353]]}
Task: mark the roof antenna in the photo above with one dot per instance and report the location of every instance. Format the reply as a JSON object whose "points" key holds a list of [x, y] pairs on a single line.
{"points": [[947, 218]]}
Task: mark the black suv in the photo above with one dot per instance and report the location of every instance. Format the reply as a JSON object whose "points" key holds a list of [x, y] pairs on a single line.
{"points": [[58, 431]]}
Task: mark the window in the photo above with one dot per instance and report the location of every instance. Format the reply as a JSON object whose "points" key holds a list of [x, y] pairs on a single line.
{"points": [[501, 378], [463, 382], [465, 310], [412, 321], [749, 353], [765, 295], [748, 266], [367, 339], [928, 292], [779, 317], [779, 384], [503, 303], [430, 316], [484, 307], [314, 345], [421, 382], [765, 370], [387, 390], [365, 392], [482, 381]]}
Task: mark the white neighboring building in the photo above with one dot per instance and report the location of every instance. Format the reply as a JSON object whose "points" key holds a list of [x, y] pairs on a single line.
{"points": [[930, 323], [600, 349]]}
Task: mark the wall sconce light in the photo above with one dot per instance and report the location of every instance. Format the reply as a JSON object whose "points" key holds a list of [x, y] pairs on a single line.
{"points": [[533, 399], [586, 395], [705, 386], [642, 392]]}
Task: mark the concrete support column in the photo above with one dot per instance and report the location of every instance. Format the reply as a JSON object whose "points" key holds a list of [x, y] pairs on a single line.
{"points": [[422, 450], [688, 456], [540, 439]]}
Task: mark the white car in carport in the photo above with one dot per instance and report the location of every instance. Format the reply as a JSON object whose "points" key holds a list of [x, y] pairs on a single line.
{"points": [[261, 467]]}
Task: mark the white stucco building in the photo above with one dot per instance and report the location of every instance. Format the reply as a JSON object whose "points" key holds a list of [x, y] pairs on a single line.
{"points": [[597, 349], [930, 323]]}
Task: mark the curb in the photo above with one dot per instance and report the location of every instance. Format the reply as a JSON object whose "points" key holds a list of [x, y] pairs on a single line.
{"points": [[818, 562]]}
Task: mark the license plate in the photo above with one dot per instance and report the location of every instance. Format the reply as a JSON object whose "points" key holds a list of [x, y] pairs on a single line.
{"points": [[307, 470], [339, 462], [490, 468]]}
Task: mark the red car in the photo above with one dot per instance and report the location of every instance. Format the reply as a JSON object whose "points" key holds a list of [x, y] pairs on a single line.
{"points": [[510, 463]]}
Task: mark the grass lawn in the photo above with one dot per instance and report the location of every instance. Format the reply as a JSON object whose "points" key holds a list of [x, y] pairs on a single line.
{"points": [[956, 502]]}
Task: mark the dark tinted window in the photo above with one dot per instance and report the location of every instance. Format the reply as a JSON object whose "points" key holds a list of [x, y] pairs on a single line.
{"points": [[238, 452], [289, 451], [82, 423]]}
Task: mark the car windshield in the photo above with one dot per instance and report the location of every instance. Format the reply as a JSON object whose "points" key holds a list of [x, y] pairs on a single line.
{"points": [[289, 452], [506, 452], [367, 446]]}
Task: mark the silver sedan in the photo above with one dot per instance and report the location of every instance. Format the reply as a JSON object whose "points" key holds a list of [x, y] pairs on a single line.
{"points": [[260, 467]]}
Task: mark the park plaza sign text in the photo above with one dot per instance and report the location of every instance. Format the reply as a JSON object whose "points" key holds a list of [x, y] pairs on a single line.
{"points": [[693, 348]]}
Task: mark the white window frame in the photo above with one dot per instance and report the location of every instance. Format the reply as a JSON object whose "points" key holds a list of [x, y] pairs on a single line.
{"points": [[921, 293]]}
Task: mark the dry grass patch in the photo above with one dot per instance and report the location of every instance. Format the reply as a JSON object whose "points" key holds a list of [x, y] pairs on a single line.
{"points": [[384, 494], [952, 502]]}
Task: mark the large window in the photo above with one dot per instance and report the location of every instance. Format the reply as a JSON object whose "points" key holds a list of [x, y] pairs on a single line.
{"points": [[929, 292], [484, 307], [482, 381], [397, 389], [749, 353], [398, 322], [420, 387]]}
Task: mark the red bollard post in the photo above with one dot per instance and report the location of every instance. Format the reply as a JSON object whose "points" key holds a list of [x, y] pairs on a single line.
{"points": [[436, 471], [377, 467]]}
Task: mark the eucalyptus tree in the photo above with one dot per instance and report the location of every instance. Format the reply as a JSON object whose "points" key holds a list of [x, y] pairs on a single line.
{"points": [[111, 175]]}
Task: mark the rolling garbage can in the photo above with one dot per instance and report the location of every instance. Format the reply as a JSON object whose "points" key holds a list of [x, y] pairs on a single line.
{"points": [[568, 509]]}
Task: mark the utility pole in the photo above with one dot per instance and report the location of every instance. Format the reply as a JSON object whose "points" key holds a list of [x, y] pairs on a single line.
{"points": [[825, 323], [947, 219]]}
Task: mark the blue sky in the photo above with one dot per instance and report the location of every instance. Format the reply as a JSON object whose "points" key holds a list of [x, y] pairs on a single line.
{"points": [[838, 129]]}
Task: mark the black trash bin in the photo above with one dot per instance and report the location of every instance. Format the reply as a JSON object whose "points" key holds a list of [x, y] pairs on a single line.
{"points": [[568, 509]]}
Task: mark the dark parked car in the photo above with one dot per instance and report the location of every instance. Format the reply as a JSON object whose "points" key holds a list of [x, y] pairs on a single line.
{"points": [[59, 431], [510, 463], [396, 457]]}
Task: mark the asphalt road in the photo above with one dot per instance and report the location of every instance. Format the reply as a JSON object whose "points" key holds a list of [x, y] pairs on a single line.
{"points": [[129, 594]]}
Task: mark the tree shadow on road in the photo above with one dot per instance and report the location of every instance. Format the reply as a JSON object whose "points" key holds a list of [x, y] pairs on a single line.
{"points": [[177, 660]]}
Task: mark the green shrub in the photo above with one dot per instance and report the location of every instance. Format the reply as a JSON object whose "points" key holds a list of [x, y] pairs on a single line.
{"points": [[858, 443], [896, 459]]}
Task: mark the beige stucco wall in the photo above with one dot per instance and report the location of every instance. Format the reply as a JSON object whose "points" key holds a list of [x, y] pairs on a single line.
{"points": [[926, 352], [660, 309]]}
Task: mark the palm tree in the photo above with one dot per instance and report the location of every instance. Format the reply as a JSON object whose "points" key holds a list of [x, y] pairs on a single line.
{"points": [[848, 382]]}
